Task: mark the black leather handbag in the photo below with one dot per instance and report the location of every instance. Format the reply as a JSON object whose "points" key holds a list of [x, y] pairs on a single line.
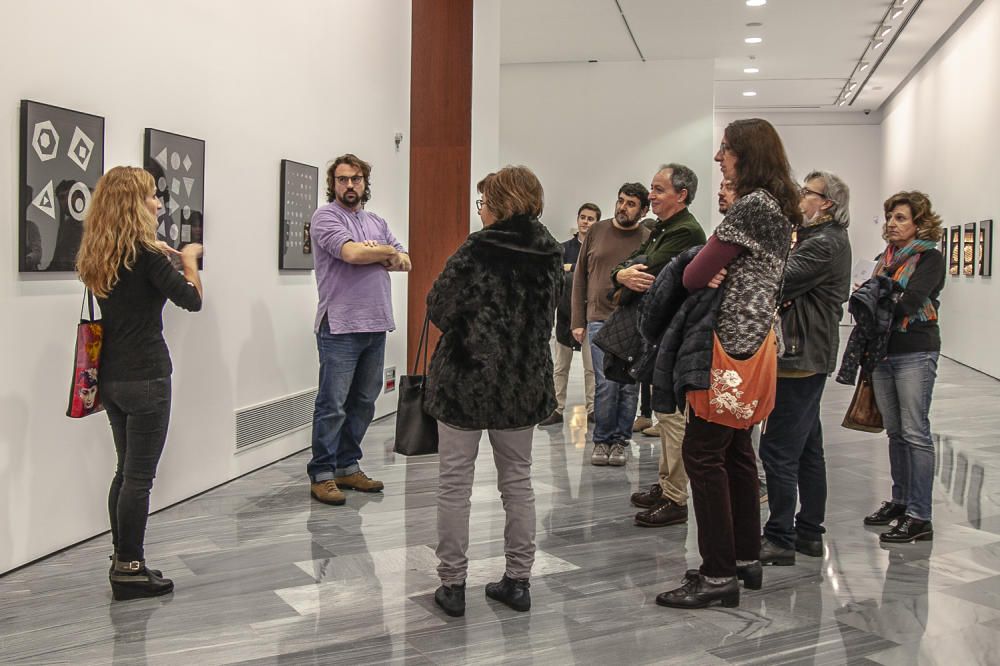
{"points": [[416, 432]]}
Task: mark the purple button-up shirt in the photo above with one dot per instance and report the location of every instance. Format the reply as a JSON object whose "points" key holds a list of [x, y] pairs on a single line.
{"points": [[354, 298]]}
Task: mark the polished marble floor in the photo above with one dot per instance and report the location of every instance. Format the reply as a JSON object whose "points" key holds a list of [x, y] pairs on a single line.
{"points": [[264, 575]]}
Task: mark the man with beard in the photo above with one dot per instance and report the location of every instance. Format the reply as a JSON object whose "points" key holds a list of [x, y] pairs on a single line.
{"points": [[353, 250], [607, 244], [670, 193]]}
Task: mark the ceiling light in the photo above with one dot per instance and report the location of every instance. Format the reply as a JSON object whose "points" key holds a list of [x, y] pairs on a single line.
{"points": [[749, 93], [885, 31], [877, 45], [852, 87], [843, 102], [756, 3], [750, 70], [895, 14], [863, 67], [753, 40]]}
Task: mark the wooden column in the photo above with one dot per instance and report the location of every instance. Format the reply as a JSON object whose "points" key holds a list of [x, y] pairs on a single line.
{"points": [[440, 146]]}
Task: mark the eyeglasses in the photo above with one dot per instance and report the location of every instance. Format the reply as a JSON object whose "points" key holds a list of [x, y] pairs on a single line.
{"points": [[725, 148], [353, 180], [805, 191], [479, 205]]}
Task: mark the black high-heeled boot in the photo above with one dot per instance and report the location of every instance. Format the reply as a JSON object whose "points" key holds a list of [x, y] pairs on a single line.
{"points": [[132, 580], [114, 558]]}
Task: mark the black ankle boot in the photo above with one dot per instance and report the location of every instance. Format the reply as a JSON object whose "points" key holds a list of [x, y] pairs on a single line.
{"points": [[511, 591], [114, 558], [132, 580], [751, 574], [697, 592], [451, 599]]}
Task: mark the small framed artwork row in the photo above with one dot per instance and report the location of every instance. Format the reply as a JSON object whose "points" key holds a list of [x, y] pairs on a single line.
{"points": [[299, 194], [955, 256], [178, 167], [969, 250], [61, 159], [986, 248]]}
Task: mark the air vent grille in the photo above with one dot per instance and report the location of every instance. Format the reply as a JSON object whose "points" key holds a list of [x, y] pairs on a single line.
{"points": [[270, 420]]}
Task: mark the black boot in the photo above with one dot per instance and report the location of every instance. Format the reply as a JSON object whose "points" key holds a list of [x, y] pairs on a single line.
{"points": [[697, 592], [908, 530], [131, 580], [751, 574], [511, 591], [885, 514], [451, 599], [114, 558], [774, 555]]}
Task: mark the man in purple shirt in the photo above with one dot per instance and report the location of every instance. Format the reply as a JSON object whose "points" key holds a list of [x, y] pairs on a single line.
{"points": [[353, 251]]}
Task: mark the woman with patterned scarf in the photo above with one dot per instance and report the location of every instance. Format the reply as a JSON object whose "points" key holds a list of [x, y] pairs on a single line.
{"points": [[904, 380]]}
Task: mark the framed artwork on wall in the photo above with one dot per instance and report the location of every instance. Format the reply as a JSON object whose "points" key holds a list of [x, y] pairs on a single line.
{"points": [[944, 244], [62, 157], [955, 257], [969, 250], [178, 167], [299, 193], [986, 248]]}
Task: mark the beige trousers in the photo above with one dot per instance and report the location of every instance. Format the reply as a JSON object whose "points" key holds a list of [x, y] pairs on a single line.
{"points": [[673, 477], [562, 358]]}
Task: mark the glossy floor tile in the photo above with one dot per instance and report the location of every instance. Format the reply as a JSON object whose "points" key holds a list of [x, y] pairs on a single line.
{"points": [[265, 575]]}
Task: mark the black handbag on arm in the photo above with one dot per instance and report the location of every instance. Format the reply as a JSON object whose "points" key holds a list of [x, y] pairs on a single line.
{"points": [[416, 432]]}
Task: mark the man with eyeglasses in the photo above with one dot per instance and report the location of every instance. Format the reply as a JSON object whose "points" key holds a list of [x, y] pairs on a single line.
{"points": [[354, 250], [607, 244], [817, 283]]}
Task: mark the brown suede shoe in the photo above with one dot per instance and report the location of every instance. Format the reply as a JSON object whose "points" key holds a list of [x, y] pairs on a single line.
{"points": [[664, 513], [327, 492], [360, 481]]}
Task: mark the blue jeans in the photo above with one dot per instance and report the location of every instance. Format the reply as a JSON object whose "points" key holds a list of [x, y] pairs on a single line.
{"points": [[614, 403], [791, 449], [903, 385], [139, 412], [350, 379]]}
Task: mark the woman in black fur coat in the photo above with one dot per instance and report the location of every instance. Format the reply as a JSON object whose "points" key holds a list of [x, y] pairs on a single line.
{"points": [[492, 370]]}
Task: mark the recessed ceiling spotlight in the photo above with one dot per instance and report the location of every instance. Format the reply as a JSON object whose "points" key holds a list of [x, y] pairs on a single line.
{"points": [[897, 12], [754, 24], [885, 31], [863, 67], [756, 3], [750, 70], [853, 86], [877, 45], [843, 102], [749, 93], [753, 40]]}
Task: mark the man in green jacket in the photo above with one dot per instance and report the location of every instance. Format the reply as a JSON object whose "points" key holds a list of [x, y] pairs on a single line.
{"points": [[671, 191]]}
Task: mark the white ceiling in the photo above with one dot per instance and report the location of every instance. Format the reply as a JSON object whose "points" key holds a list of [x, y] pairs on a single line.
{"points": [[809, 51]]}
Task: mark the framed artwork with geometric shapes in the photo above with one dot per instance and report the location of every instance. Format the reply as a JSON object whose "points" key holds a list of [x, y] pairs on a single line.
{"points": [[955, 255], [62, 157], [178, 167], [986, 248], [299, 195], [969, 250]]}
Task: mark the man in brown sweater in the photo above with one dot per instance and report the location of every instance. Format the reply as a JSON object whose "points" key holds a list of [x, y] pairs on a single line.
{"points": [[608, 243]]}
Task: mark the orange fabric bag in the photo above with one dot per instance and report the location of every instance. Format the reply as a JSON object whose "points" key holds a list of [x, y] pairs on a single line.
{"points": [[741, 393]]}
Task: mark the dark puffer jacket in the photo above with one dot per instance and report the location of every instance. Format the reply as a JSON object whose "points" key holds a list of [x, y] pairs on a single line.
{"points": [[494, 304], [681, 326]]}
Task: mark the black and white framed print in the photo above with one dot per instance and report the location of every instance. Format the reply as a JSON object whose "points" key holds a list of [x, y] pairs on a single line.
{"points": [[299, 194], [62, 157], [986, 248], [969, 250], [955, 254], [178, 167]]}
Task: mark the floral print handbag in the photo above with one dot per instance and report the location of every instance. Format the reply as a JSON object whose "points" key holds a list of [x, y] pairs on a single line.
{"points": [[740, 392]]}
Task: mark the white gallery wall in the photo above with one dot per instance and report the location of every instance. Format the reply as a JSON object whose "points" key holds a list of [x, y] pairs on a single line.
{"points": [[586, 128], [485, 97], [304, 80], [940, 135]]}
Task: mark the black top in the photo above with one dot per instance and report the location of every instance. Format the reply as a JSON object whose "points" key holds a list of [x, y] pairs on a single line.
{"points": [[132, 316], [926, 282], [571, 251]]}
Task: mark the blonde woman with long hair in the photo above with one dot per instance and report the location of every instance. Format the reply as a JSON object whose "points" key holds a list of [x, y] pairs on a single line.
{"points": [[129, 272]]}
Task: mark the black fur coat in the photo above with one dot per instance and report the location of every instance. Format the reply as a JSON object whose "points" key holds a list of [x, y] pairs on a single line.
{"points": [[494, 304]]}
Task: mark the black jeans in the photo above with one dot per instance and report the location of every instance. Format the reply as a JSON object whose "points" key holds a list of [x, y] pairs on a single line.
{"points": [[723, 473], [139, 412], [645, 398], [791, 449]]}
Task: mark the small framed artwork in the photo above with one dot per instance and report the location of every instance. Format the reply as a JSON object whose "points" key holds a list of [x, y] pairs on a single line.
{"points": [[944, 244], [969, 250], [955, 257], [986, 248], [178, 167], [62, 157], [299, 193]]}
